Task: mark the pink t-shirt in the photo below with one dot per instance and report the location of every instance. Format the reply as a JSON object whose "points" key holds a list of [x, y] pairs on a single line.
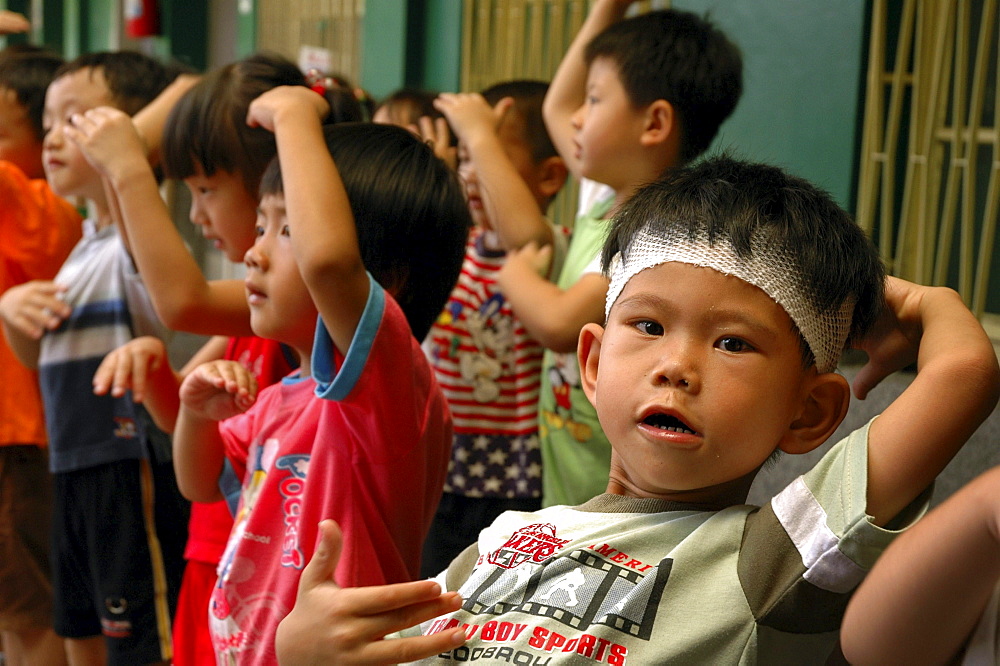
{"points": [[364, 441]]}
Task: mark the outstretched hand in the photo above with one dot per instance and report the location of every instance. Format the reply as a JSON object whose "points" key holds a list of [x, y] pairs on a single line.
{"points": [[893, 342], [334, 625], [130, 367], [218, 390]]}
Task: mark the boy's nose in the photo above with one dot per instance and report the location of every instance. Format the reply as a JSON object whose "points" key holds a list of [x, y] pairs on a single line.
{"points": [[254, 258], [196, 214], [576, 120], [677, 370]]}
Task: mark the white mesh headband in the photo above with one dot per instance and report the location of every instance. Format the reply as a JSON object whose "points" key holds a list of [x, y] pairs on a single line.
{"points": [[770, 269]]}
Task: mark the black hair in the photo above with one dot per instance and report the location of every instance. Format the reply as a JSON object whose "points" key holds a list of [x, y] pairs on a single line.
{"points": [[207, 128], [528, 96], [27, 71], [409, 209], [737, 201], [679, 57], [133, 79], [406, 105]]}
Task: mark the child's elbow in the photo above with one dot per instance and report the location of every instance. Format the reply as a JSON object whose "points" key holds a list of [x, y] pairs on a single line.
{"points": [[981, 374], [558, 339], [198, 492]]}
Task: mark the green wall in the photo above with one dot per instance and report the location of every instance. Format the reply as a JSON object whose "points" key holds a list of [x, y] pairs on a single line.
{"points": [[416, 43], [804, 68]]}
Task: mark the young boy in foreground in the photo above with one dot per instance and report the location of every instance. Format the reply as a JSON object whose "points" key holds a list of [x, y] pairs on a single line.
{"points": [[733, 290]]}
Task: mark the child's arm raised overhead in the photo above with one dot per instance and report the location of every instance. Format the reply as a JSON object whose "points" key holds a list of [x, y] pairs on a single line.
{"points": [[334, 625], [183, 298], [552, 315], [955, 389], [922, 599], [508, 201], [569, 85], [152, 118], [321, 224]]}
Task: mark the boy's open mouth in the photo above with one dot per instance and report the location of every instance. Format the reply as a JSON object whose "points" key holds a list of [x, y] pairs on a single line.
{"points": [[668, 422]]}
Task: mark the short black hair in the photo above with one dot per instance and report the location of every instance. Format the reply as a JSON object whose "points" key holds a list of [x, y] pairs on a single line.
{"points": [[134, 79], [528, 95], [679, 57], [737, 201], [406, 105], [207, 128], [27, 71], [409, 209]]}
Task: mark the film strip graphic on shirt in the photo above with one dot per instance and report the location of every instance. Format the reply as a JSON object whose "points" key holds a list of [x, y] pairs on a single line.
{"points": [[579, 589]]}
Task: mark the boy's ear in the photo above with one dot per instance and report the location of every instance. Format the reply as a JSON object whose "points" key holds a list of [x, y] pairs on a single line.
{"points": [[823, 408], [661, 123], [552, 174], [588, 353]]}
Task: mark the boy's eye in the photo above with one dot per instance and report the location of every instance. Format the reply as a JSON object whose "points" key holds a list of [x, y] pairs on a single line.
{"points": [[258, 230], [285, 231], [649, 327], [734, 345]]}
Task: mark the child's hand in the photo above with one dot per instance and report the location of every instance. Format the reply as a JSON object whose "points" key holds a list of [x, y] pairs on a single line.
{"points": [[12, 22], [218, 390], [435, 131], [531, 257], [108, 140], [470, 115], [334, 625], [893, 342], [129, 366], [265, 109], [34, 307]]}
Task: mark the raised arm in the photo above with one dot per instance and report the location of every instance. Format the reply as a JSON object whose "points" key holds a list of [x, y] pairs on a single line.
{"points": [[509, 204], [568, 89], [955, 389], [320, 221], [183, 298], [151, 120], [552, 315], [925, 594]]}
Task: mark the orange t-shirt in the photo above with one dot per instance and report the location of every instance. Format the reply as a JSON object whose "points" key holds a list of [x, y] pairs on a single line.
{"points": [[37, 231]]}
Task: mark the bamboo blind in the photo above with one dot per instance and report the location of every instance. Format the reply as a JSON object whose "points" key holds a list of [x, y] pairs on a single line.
{"points": [[939, 88], [286, 25]]}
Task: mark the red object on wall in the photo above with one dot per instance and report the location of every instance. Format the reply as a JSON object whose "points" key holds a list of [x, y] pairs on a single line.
{"points": [[142, 18]]}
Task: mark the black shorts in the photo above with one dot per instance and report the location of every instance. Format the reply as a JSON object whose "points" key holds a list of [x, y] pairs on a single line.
{"points": [[118, 536]]}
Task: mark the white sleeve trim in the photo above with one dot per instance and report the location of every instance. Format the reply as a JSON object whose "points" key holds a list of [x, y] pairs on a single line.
{"points": [[804, 519]]}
